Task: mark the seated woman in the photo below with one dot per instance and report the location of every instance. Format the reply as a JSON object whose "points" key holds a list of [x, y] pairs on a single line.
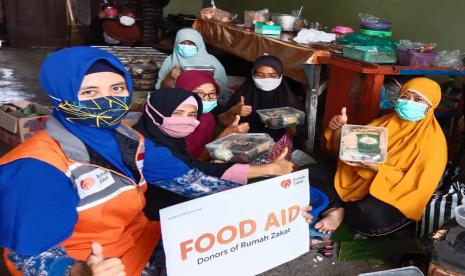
{"points": [[189, 50], [265, 88], [378, 199], [169, 116], [204, 85], [81, 181]]}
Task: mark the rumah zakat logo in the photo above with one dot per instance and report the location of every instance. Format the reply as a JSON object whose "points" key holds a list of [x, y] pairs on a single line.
{"points": [[286, 183], [87, 183]]}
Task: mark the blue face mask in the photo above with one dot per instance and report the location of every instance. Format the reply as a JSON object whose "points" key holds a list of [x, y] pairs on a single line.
{"points": [[187, 51], [208, 106], [410, 111], [104, 112]]}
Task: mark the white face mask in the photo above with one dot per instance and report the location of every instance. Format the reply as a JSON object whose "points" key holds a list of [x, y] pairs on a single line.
{"points": [[127, 20], [110, 40], [267, 84]]}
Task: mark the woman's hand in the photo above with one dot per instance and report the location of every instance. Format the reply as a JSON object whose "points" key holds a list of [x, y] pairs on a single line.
{"points": [[280, 165], [96, 265], [292, 131], [365, 165], [241, 108], [174, 74], [338, 121], [308, 218], [235, 127]]}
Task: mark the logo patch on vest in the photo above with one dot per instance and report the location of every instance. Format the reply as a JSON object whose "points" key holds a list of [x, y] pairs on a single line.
{"points": [[93, 182]]}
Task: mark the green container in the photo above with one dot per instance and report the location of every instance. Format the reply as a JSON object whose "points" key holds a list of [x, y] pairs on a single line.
{"points": [[368, 143], [370, 53], [263, 28], [376, 32]]}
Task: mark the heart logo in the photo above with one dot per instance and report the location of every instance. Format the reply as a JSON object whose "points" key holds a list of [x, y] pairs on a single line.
{"points": [[87, 183], [286, 183]]}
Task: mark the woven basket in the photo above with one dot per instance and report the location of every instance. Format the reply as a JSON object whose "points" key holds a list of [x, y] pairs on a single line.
{"points": [[412, 57]]}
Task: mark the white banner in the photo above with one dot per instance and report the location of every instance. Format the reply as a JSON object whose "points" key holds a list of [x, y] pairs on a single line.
{"points": [[242, 231]]}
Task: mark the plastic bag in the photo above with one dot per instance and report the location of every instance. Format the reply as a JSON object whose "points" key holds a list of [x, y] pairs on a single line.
{"points": [[420, 46], [357, 39], [216, 14], [366, 17], [449, 59], [250, 17]]}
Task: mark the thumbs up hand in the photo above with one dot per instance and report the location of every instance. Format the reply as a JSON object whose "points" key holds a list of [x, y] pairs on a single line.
{"points": [[338, 121], [175, 72], [281, 165], [235, 127], [242, 109], [97, 265]]}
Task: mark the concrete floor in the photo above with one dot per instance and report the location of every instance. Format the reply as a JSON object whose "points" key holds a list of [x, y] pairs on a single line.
{"points": [[19, 70]]}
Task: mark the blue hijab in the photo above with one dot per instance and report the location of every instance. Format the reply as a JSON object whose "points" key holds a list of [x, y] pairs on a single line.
{"points": [[61, 76]]}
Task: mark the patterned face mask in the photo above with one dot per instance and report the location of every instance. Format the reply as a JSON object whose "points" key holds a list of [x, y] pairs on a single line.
{"points": [[104, 112]]}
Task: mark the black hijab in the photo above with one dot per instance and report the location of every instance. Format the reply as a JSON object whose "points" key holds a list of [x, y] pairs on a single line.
{"points": [[282, 96], [165, 101]]}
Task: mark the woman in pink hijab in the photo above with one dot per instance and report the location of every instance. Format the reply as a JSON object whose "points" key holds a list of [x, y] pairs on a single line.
{"points": [[204, 85]]}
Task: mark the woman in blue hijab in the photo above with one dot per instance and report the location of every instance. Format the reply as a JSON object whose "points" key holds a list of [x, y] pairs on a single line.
{"points": [[72, 197]]}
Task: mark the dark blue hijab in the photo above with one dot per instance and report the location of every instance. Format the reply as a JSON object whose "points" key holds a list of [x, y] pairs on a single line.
{"points": [[61, 76]]}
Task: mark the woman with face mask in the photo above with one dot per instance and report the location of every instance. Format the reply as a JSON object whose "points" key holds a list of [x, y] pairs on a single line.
{"points": [[170, 115], [265, 88], [380, 198], [81, 181], [189, 50], [204, 85]]}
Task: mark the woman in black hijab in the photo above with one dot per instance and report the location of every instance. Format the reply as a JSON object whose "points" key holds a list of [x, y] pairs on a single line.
{"points": [[171, 114], [166, 101], [264, 88]]}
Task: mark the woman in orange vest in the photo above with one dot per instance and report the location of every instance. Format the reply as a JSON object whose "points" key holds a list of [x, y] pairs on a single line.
{"points": [[72, 197]]}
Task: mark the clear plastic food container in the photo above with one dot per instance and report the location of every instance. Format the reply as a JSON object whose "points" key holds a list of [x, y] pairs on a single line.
{"points": [[208, 68], [241, 148], [363, 144], [281, 117]]}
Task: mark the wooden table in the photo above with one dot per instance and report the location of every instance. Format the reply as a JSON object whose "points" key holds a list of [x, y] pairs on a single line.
{"points": [[300, 61], [357, 85]]}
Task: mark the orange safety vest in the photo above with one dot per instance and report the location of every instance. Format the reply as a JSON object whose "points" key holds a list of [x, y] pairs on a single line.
{"points": [[110, 210]]}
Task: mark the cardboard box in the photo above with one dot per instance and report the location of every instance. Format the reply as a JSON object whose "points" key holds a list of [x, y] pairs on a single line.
{"points": [[14, 130]]}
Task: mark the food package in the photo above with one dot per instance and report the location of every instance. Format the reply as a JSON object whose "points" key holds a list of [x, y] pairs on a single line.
{"points": [[251, 17], [282, 117], [363, 144], [241, 148], [217, 14], [268, 28]]}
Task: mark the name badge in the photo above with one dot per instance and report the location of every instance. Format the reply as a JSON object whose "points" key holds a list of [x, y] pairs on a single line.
{"points": [[93, 182]]}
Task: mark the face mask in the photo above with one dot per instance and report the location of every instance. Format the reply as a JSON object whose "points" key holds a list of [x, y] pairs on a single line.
{"points": [[127, 20], [104, 112], [176, 127], [208, 106], [410, 111], [187, 51], [110, 40], [267, 84]]}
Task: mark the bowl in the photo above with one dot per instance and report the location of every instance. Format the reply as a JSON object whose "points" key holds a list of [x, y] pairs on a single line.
{"points": [[378, 25], [319, 202], [286, 21], [460, 215]]}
